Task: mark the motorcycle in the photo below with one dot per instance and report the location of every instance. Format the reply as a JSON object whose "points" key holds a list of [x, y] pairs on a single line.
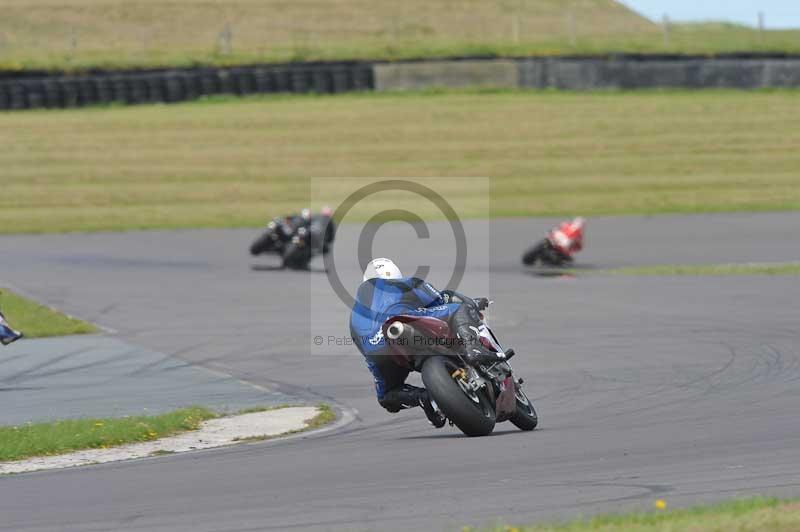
{"points": [[288, 238], [559, 245], [472, 397], [296, 239], [274, 239]]}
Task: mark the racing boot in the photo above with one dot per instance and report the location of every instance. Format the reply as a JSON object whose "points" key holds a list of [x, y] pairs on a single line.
{"points": [[465, 321], [435, 416], [7, 334], [408, 396], [474, 350]]}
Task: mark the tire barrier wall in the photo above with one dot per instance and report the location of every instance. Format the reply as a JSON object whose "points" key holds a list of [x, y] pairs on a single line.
{"points": [[40, 90], [627, 72], [498, 73], [168, 86], [694, 73]]}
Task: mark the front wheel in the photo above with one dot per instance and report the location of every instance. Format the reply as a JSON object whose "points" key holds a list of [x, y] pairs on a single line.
{"points": [[470, 411], [525, 417], [535, 253], [262, 244]]}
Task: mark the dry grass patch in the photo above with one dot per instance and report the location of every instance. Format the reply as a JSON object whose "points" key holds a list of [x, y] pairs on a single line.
{"points": [[79, 33], [233, 163], [75, 34]]}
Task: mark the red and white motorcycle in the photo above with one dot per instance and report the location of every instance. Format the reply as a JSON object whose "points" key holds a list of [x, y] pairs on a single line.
{"points": [[559, 245]]}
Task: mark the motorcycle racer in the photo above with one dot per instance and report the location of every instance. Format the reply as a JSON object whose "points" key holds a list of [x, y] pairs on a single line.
{"points": [[384, 293], [321, 228], [568, 237], [297, 237], [559, 246], [7, 334]]}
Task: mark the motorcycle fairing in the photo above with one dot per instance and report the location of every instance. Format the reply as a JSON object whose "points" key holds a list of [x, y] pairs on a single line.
{"points": [[425, 325]]}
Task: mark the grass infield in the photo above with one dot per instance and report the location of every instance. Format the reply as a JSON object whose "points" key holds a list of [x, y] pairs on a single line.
{"points": [[37, 321], [61, 437], [235, 163], [751, 515], [712, 269]]}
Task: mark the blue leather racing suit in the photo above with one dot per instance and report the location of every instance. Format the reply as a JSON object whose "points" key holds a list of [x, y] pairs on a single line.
{"points": [[7, 334], [376, 301]]}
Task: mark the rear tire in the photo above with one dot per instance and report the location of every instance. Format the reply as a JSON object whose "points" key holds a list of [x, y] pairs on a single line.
{"points": [[525, 418], [296, 257], [473, 416]]}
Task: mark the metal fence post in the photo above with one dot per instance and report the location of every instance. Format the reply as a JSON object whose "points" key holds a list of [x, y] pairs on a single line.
{"points": [[226, 39], [73, 43], [515, 28], [573, 40]]}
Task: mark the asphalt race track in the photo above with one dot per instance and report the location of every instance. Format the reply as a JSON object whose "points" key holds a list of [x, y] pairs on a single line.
{"points": [[682, 388], [99, 376]]}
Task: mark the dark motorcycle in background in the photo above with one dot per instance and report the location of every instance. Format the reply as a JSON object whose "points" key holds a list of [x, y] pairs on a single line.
{"points": [[559, 245], [288, 238], [296, 239], [274, 238], [472, 397]]}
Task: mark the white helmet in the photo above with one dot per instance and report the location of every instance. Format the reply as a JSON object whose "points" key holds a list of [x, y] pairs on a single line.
{"points": [[382, 269]]}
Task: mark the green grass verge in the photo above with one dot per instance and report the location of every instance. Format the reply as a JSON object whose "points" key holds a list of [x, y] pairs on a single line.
{"points": [[256, 409], [78, 34], [325, 416], [751, 515], [237, 163], [37, 321], [60, 437], [711, 269]]}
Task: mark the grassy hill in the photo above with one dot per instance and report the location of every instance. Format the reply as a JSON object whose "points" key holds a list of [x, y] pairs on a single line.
{"points": [[81, 33], [75, 34]]}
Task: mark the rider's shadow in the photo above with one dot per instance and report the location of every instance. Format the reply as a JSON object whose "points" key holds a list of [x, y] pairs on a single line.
{"points": [[570, 271], [277, 268], [459, 435]]}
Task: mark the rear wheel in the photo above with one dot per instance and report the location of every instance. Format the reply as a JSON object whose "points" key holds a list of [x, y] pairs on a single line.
{"points": [[296, 257], [470, 411], [525, 417]]}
